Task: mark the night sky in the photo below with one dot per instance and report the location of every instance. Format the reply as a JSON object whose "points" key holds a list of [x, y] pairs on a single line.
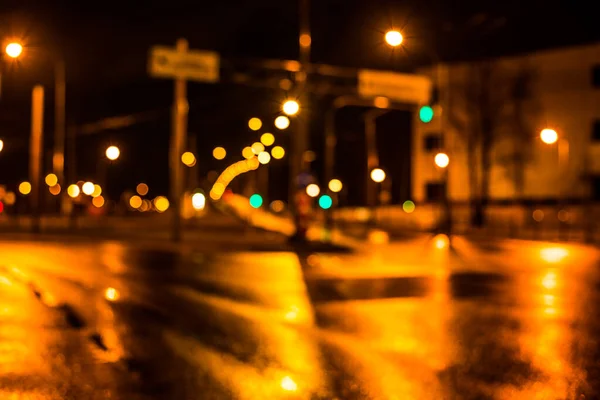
{"points": [[105, 47]]}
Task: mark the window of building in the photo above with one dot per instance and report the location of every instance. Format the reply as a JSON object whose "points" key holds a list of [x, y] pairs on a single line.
{"points": [[596, 131], [596, 189], [434, 191], [596, 76], [433, 141]]}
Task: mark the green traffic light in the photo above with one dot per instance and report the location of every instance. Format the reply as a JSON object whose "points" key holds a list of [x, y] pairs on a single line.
{"points": [[325, 202], [256, 200], [426, 114]]}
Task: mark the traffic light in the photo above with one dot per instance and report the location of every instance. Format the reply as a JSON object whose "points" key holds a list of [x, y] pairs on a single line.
{"points": [[426, 114], [325, 202], [256, 200]]}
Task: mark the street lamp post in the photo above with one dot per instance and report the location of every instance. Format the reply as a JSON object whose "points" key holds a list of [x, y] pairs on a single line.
{"points": [[442, 161], [378, 176], [550, 136]]}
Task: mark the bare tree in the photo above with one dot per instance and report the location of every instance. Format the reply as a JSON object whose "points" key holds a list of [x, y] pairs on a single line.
{"points": [[494, 101]]}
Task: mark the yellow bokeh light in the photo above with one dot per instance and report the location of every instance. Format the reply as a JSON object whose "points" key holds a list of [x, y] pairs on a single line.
{"points": [[219, 153], [25, 188], [142, 189], [54, 190], [282, 122], [10, 198], [381, 102], [277, 206], [378, 175], [267, 139], [135, 202], [111, 294], [188, 158], [305, 40], [161, 204], [264, 157], [112, 153], [335, 185], [97, 190], [254, 124], [277, 152], [73, 191], [441, 160], [14, 50], [51, 179], [88, 188], [98, 201], [313, 190], [247, 153], [146, 206], [548, 136], [1, 144], [393, 38], [257, 148], [290, 107], [253, 163]]}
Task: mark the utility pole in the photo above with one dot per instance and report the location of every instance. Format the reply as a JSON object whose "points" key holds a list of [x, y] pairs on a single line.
{"points": [[300, 138], [58, 158], [35, 153], [177, 145]]}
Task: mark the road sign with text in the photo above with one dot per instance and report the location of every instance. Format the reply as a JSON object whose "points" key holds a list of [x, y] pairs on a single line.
{"points": [[407, 88], [196, 65]]}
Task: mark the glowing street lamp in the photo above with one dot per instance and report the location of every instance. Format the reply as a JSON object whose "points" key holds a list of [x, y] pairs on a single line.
{"points": [[14, 50], [378, 175], [549, 136], [291, 107], [442, 160], [393, 38], [112, 153]]}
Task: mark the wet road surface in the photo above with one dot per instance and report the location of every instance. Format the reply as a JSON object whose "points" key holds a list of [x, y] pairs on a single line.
{"points": [[408, 320]]}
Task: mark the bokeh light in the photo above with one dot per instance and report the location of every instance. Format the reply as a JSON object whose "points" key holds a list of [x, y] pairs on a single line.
{"points": [[254, 124], [88, 188], [290, 107], [51, 179], [394, 38], [247, 153], [97, 190], [55, 190], [135, 202], [335, 185], [278, 152], [538, 215], [264, 157], [256, 200], [219, 153], [14, 50], [378, 175], [73, 190], [198, 201], [257, 147], [548, 136], [408, 206], [161, 204], [426, 114], [25, 188], [142, 189], [442, 160], [325, 202], [10, 198], [313, 190], [188, 158], [112, 153], [282, 122], [267, 139], [277, 206], [98, 201]]}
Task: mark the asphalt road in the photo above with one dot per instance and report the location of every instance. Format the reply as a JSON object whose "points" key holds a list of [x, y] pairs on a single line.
{"points": [[408, 320]]}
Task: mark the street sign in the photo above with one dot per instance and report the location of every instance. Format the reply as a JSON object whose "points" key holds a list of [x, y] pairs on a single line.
{"points": [[197, 65], [407, 88]]}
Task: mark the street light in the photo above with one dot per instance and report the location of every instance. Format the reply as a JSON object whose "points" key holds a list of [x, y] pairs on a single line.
{"points": [[112, 153], [14, 50], [291, 107], [393, 38], [549, 136], [378, 175], [442, 160], [1, 144]]}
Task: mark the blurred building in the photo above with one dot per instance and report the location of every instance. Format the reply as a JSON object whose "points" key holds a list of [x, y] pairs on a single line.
{"points": [[507, 102]]}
